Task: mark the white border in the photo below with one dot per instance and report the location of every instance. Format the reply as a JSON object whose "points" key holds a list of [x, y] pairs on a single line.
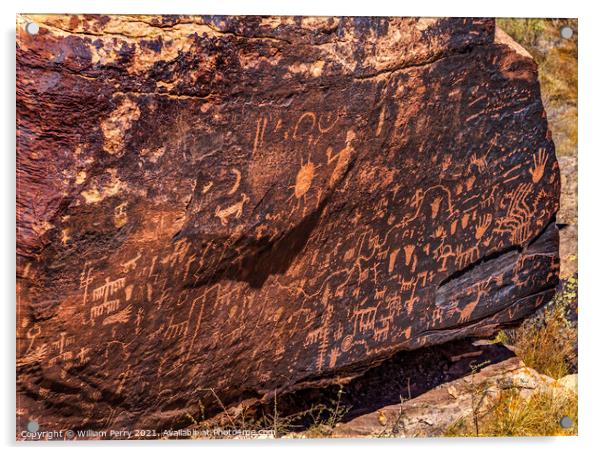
{"points": [[590, 166]]}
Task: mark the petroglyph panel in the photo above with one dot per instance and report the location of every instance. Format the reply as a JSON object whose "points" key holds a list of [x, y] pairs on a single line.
{"points": [[252, 205]]}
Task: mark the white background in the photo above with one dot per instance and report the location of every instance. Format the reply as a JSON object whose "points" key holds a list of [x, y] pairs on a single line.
{"points": [[590, 169]]}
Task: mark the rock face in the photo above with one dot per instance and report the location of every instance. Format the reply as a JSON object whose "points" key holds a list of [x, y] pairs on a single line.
{"points": [[431, 414], [223, 206]]}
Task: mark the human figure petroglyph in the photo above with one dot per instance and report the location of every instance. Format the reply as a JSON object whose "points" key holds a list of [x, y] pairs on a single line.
{"points": [[410, 256], [362, 243], [442, 253], [85, 280], [234, 210]]}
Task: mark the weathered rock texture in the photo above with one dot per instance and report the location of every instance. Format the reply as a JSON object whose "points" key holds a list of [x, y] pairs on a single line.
{"points": [[259, 204], [434, 412]]}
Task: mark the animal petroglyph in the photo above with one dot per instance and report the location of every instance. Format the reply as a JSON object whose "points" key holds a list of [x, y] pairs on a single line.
{"points": [[234, 210], [266, 204]]}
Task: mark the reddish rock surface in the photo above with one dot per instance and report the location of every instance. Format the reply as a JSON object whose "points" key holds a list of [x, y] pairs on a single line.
{"points": [[258, 204]]}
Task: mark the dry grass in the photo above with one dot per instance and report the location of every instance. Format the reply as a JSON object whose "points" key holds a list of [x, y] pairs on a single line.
{"points": [[318, 421], [512, 414], [547, 341]]}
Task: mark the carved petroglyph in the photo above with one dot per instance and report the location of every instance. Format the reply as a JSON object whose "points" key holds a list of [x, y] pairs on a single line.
{"points": [[32, 334], [176, 330], [479, 289], [108, 289], [234, 210], [392, 259], [120, 317], [252, 229], [364, 319], [304, 179], [236, 184], [85, 280], [483, 225], [343, 157], [466, 256], [259, 133], [130, 265], [381, 332], [106, 307], [539, 163], [517, 221]]}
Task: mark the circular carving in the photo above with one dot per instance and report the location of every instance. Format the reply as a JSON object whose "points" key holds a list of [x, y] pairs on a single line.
{"points": [[347, 343]]}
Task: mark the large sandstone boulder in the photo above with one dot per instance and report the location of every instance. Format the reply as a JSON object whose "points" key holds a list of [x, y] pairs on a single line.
{"points": [[230, 207]]}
